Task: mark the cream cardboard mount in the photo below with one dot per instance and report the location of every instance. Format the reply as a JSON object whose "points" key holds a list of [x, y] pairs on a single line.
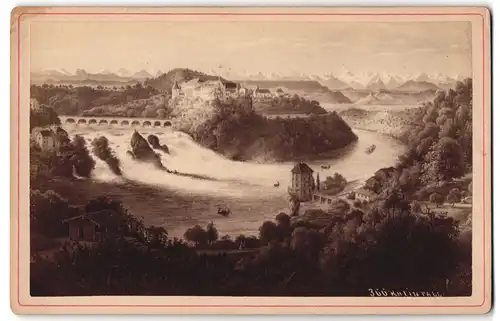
{"points": [[250, 161]]}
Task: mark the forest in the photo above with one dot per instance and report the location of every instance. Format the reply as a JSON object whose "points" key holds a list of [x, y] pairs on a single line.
{"points": [[439, 149], [397, 243], [73, 101], [237, 131], [389, 245]]}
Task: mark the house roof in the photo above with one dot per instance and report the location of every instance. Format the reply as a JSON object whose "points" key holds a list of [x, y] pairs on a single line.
{"points": [[176, 85], [43, 131], [301, 168], [365, 192], [229, 84], [263, 91], [279, 90], [191, 82], [99, 218]]}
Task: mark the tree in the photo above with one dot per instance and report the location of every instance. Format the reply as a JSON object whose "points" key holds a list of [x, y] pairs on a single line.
{"points": [[268, 232], [444, 161], [197, 235], [453, 196], [158, 235], [212, 233], [436, 198], [47, 211], [293, 204], [283, 220], [283, 225], [336, 182], [306, 242], [339, 207], [43, 116], [416, 207], [83, 162]]}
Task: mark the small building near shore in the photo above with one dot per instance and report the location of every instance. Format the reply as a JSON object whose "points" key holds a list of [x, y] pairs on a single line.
{"points": [[90, 227], [302, 182], [44, 138], [324, 198], [34, 104], [364, 194], [262, 93]]}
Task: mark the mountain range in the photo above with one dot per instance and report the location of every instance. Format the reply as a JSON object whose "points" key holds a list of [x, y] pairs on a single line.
{"points": [[81, 75], [345, 81], [370, 81]]}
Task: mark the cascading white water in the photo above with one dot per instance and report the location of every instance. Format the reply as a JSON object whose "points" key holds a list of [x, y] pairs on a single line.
{"points": [[248, 187]]}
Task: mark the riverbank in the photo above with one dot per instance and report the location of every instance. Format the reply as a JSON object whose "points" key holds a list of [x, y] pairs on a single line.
{"points": [[247, 188], [394, 123]]}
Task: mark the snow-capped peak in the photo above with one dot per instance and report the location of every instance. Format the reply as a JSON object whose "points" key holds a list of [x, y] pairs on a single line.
{"points": [[122, 72]]}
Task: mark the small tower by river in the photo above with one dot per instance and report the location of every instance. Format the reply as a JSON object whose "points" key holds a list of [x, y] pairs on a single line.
{"points": [[302, 182]]}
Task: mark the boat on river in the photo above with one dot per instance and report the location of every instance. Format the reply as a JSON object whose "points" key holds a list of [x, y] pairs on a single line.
{"points": [[223, 211], [370, 149]]}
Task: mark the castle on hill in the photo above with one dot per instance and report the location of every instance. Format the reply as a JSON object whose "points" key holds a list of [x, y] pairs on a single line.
{"points": [[208, 90], [220, 88]]}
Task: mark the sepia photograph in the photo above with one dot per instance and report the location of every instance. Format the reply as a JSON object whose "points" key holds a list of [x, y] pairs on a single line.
{"points": [[252, 156]]}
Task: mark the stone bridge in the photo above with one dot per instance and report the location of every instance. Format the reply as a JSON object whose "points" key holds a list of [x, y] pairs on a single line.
{"points": [[115, 121]]}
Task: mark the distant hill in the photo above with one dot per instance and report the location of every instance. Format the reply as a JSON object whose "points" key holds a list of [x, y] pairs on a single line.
{"points": [[339, 98], [335, 83], [374, 99], [165, 81], [82, 77], [388, 122], [310, 89], [376, 84], [387, 97], [417, 85]]}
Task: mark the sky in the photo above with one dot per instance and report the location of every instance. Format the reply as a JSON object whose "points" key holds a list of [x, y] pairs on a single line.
{"points": [[399, 48]]}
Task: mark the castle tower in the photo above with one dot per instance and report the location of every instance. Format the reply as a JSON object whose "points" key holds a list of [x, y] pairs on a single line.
{"points": [[176, 89], [302, 182]]}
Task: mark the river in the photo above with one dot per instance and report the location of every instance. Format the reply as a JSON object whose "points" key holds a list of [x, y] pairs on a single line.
{"points": [[178, 203]]}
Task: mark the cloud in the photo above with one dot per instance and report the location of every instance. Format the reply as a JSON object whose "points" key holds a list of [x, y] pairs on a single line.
{"points": [[423, 50], [385, 53], [331, 44]]}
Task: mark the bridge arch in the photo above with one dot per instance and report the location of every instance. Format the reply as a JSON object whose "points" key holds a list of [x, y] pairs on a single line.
{"points": [[167, 124], [82, 121], [157, 124], [92, 121], [103, 122], [113, 122], [136, 123], [70, 121], [147, 123], [125, 123]]}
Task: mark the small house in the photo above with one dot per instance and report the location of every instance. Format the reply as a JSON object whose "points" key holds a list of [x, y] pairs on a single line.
{"points": [[91, 227], [280, 92], [45, 138], [302, 182], [34, 105], [230, 88], [364, 194], [262, 93]]}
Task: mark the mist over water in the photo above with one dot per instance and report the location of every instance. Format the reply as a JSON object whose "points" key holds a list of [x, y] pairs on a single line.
{"points": [[248, 188]]}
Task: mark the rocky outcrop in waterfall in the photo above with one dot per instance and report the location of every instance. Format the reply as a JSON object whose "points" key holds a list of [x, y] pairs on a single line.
{"points": [[141, 151], [155, 143]]}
